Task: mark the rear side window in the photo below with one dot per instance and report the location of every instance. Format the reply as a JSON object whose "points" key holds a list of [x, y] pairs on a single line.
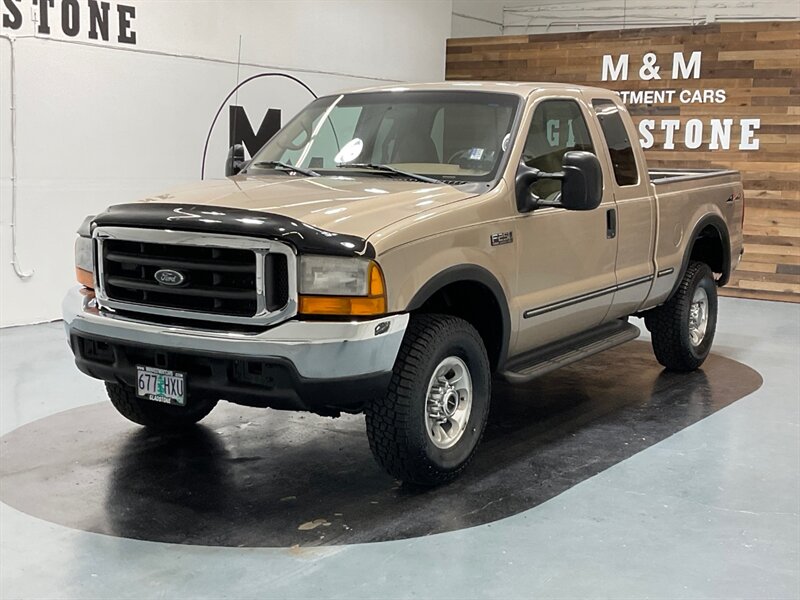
{"points": [[619, 144]]}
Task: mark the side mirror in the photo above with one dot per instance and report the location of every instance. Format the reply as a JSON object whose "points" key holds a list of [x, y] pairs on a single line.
{"points": [[581, 184], [235, 160]]}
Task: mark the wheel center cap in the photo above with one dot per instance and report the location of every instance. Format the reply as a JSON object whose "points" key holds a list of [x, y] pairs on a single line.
{"points": [[449, 402]]}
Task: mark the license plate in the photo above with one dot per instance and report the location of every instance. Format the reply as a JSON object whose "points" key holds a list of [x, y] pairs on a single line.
{"points": [[161, 385]]}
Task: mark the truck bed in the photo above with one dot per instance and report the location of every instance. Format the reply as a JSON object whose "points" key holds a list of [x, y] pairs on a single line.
{"points": [[684, 197]]}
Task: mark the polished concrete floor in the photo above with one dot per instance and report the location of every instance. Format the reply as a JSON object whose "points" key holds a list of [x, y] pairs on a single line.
{"points": [[591, 484]]}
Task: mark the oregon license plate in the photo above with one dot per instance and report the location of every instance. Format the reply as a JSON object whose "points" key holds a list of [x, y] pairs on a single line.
{"points": [[161, 385]]}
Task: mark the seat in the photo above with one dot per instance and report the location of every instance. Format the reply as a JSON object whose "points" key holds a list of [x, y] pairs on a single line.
{"points": [[415, 147]]}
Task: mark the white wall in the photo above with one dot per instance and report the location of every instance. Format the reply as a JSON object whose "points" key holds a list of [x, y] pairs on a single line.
{"points": [[100, 123], [478, 18]]}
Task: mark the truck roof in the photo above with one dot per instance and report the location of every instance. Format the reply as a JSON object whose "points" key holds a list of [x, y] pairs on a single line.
{"points": [[520, 88]]}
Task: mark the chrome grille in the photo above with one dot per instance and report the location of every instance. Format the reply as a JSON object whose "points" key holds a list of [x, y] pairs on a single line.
{"points": [[219, 278]]}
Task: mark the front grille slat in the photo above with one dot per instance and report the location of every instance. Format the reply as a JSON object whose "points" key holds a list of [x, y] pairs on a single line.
{"points": [[187, 263], [137, 284]]}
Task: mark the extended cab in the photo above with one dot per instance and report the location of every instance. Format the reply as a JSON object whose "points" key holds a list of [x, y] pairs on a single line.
{"points": [[389, 251]]}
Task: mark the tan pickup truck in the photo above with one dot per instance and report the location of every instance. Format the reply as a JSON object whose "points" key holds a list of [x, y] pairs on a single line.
{"points": [[389, 251]]}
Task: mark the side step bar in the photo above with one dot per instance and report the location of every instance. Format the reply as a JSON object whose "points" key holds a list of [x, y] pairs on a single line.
{"points": [[557, 355]]}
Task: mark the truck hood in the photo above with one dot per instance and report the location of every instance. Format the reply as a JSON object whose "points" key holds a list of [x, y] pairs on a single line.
{"points": [[358, 206]]}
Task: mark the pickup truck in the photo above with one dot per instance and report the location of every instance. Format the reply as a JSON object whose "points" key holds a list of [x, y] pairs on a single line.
{"points": [[392, 250]]}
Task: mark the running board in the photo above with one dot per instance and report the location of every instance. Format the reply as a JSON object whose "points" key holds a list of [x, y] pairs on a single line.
{"points": [[557, 355]]}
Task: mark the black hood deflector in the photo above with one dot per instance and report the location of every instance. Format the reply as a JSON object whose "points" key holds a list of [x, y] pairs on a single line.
{"points": [[306, 238]]}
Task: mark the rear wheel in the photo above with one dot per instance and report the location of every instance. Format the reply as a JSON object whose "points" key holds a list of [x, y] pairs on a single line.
{"points": [[154, 414], [426, 428], [683, 328]]}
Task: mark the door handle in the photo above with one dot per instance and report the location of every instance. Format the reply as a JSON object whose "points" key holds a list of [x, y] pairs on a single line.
{"points": [[611, 223]]}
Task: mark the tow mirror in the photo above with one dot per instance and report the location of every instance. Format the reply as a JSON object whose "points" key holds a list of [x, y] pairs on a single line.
{"points": [[581, 184], [235, 160]]}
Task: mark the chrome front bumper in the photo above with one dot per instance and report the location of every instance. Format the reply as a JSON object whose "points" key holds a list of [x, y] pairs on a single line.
{"points": [[318, 350]]}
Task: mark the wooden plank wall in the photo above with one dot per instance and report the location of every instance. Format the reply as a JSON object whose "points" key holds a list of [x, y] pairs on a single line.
{"points": [[757, 65]]}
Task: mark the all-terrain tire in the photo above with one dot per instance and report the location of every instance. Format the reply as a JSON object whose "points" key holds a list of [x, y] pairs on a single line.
{"points": [[154, 415], [669, 323], [396, 422]]}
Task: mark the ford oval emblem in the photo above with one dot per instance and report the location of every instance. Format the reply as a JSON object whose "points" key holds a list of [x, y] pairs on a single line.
{"points": [[169, 277]]}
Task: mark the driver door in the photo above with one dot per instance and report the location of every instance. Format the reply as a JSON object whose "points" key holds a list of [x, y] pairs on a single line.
{"points": [[566, 265]]}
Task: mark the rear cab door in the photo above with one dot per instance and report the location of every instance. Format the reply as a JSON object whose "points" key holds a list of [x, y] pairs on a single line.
{"points": [[633, 219]]}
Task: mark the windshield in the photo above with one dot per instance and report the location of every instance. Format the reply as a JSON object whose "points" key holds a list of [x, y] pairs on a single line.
{"points": [[450, 136]]}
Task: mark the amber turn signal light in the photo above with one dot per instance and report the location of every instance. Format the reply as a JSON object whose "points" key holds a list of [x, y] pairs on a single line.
{"points": [[85, 278], [357, 306]]}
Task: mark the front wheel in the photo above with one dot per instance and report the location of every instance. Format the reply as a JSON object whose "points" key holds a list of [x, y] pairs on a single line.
{"points": [[683, 328], [426, 428], [154, 415]]}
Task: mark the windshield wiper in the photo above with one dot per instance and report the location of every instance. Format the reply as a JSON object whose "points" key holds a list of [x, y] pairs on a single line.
{"points": [[389, 169], [276, 164]]}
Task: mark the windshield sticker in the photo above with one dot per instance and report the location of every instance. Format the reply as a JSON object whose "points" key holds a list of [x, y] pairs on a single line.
{"points": [[350, 151], [475, 154], [506, 140]]}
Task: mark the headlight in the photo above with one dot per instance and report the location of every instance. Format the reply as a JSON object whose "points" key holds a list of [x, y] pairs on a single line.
{"points": [[333, 276], [334, 285], [84, 255]]}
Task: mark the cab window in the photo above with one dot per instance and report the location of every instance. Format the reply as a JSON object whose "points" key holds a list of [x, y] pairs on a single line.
{"points": [[619, 144], [557, 127]]}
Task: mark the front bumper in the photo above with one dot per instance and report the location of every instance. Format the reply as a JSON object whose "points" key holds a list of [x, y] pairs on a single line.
{"points": [[306, 365]]}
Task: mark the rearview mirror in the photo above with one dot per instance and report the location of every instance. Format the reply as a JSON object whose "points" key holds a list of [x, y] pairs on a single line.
{"points": [[581, 184], [235, 160]]}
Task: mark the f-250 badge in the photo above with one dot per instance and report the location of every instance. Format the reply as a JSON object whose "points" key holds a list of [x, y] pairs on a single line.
{"points": [[498, 239]]}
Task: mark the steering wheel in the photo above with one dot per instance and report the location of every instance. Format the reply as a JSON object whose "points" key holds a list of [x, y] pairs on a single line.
{"points": [[457, 154]]}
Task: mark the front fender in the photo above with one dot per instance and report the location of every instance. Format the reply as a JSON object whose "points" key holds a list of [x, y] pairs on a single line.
{"points": [[415, 272]]}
